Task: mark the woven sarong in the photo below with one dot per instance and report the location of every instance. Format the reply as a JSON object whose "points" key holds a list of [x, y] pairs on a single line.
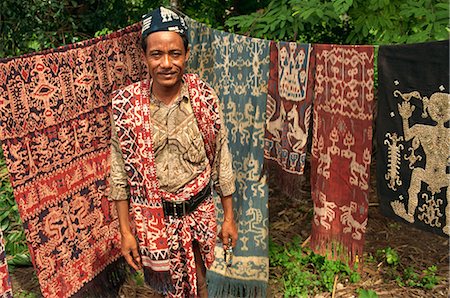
{"points": [[341, 149], [289, 112], [55, 133], [413, 134], [5, 282], [240, 76], [167, 256]]}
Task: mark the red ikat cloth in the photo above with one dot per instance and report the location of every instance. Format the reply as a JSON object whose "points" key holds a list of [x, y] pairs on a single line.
{"points": [[341, 149], [55, 132]]}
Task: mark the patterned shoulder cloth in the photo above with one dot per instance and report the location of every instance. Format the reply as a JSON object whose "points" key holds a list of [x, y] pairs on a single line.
{"points": [[131, 115]]}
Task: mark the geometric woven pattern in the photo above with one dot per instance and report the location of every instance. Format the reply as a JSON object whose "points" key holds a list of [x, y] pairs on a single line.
{"points": [[165, 243], [55, 132]]}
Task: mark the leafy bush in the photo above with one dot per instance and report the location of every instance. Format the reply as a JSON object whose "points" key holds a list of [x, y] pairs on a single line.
{"points": [[347, 21], [304, 272], [28, 26]]}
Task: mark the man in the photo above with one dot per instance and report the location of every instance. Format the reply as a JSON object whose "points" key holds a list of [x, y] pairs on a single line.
{"points": [[168, 142]]}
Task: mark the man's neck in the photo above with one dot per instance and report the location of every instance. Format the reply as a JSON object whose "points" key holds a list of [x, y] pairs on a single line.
{"points": [[166, 95]]}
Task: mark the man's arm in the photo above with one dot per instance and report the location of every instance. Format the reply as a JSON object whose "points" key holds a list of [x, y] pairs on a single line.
{"points": [[224, 181], [119, 195], [128, 241], [229, 229]]}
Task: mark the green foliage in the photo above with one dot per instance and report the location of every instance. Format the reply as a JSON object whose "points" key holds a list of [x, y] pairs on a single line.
{"points": [[347, 21], [389, 255], [305, 272], [27, 26], [138, 278], [10, 223], [362, 293], [25, 294], [409, 276]]}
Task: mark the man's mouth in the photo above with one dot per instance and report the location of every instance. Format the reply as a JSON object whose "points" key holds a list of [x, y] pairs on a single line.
{"points": [[167, 74]]}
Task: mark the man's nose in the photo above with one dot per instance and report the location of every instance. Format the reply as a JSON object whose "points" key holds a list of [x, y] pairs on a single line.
{"points": [[165, 61]]}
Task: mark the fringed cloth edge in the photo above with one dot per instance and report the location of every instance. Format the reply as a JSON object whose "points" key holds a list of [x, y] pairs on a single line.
{"points": [[107, 283], [335, 247], [225, 286]]}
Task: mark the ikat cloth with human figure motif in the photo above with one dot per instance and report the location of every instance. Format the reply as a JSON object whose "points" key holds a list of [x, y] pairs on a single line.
{"points": [[413, 135], [55, 132], [238, 69], [341, 149], [5, 281]]}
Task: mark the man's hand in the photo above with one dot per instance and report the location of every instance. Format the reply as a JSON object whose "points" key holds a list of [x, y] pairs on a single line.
{"points": [[130, 251], [228, 231]]}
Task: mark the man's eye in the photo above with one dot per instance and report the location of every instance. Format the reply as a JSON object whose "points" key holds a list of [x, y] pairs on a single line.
{"points": [[155, 54], [176, 54]]}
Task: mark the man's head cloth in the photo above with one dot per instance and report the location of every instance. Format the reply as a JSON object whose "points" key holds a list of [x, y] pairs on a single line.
{"points": [[162, 19]]}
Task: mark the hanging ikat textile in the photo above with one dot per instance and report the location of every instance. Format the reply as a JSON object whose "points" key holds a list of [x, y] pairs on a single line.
{"points": [[241, 69], [201, 54], [55, 133], [413, 134], [289, 112], [341, 149], [5, 282], [238, 70]]}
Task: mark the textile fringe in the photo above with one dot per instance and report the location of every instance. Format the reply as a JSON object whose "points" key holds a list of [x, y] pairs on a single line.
{"points": [[222, 286], [158, 281], [335, 247], [107, 283]]}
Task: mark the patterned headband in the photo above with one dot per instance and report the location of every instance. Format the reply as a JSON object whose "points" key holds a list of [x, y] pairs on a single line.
{"points": [[162, 19]]}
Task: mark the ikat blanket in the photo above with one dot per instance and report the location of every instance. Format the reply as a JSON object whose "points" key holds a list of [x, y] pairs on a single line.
{"points": [[55, 132], [237, 68], [289, 111], [5, 282], [341, 149], [413, 135]]}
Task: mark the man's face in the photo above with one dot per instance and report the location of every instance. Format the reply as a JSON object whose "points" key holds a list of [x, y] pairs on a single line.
{"points": [[166, 59]]}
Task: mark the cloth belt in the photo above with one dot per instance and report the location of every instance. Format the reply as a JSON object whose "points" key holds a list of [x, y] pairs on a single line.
{"points": [[180, 209]]}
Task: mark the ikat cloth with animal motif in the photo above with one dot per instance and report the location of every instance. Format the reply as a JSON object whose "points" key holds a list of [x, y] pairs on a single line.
{"points": [[55, 132], [413, 135], [341, 149], [237, 68], [5, 281], [289, 105]]}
